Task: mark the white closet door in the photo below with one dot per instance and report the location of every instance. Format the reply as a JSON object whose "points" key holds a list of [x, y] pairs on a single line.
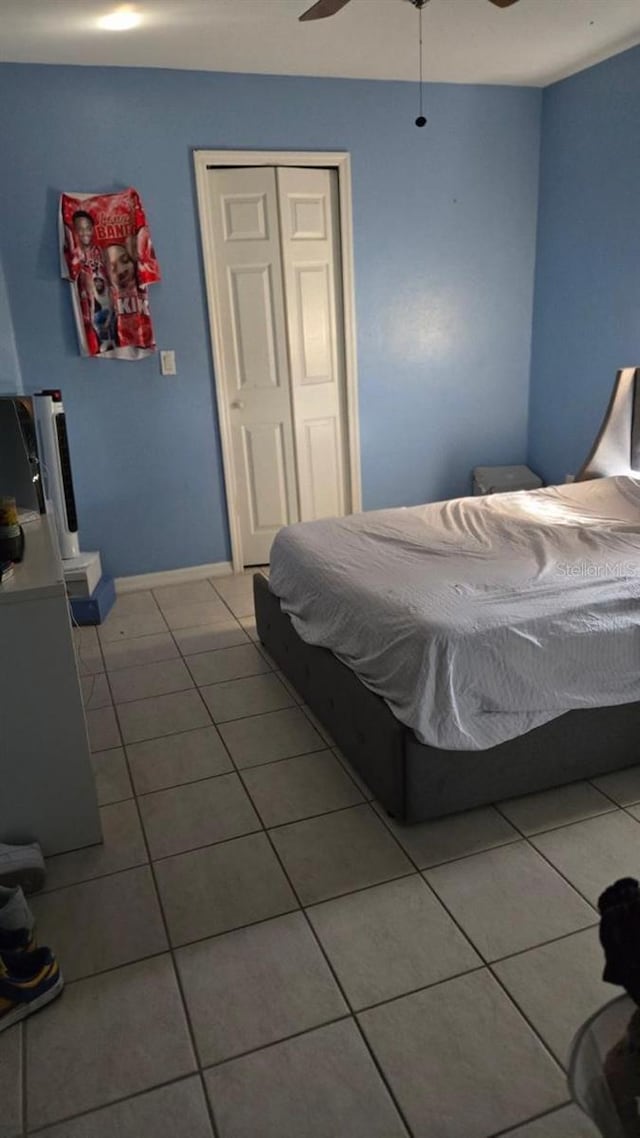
{"points": [[243, 209], [309, 221]]}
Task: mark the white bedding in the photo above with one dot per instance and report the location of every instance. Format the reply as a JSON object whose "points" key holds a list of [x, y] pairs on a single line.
{"points": [[477, 619]]}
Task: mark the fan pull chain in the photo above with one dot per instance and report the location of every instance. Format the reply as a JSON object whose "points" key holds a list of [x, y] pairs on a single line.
{"points": [[421, 120]]}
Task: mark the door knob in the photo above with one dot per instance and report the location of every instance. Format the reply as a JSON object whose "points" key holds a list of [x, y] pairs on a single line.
{"points": [[238, 404]]}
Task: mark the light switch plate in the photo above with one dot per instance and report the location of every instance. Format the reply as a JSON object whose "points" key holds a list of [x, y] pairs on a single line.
{"points": [[168, 362]]}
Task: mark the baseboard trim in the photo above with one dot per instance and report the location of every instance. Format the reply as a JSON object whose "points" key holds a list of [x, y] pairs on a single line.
{"points": [[172, 577]]}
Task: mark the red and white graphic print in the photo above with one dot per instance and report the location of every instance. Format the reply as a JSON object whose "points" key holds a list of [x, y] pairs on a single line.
{"points": [[107, 254]]}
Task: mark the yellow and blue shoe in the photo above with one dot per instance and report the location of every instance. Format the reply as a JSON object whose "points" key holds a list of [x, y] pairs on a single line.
{"points": [[28, 981], [17, 940]]}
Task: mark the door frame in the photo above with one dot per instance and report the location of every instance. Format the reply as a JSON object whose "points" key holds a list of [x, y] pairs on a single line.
{"points": [[341, 162]]}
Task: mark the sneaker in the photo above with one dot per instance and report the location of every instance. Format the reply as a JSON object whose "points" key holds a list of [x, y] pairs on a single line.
{"points": [[17, 940], [15, 914], [22, 865], [28, 981], [16, 922]]}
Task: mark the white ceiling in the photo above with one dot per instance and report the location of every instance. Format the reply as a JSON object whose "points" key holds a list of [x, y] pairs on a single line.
{"points": [[466, 41]]}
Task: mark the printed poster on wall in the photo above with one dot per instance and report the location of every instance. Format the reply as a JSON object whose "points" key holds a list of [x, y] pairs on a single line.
{"points": [[107, 255]]}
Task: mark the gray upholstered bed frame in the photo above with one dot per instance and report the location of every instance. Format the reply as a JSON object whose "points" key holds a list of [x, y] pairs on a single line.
{"points": [[414, 781]]}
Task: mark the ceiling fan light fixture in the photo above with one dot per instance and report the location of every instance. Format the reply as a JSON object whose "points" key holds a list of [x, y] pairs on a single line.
{"points": [[323, 8]]}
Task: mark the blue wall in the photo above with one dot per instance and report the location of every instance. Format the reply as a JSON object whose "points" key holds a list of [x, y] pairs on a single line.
{"points": [[444, 223], [587, 295], [10, 378]]}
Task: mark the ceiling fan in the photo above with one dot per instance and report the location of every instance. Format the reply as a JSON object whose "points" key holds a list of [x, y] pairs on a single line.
{"points": [[324, 8]]}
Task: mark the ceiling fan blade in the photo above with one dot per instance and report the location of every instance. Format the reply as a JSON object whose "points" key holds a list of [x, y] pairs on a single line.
{"points": [[503, 3], [322, 9]]}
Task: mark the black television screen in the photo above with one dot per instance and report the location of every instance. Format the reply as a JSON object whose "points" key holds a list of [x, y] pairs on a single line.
{"points": [[19, 467]]}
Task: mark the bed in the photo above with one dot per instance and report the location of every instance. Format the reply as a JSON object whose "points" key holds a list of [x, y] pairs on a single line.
{"points": [[477, 649]]}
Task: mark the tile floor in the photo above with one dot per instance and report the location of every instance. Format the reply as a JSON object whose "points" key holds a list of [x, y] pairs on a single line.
{"points": [[258, 951]]}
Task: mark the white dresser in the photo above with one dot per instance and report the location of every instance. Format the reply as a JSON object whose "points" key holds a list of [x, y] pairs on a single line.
{"points": [[47, 790]]}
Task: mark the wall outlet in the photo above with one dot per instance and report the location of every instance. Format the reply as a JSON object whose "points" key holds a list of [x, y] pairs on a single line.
{"points": [[168, 362]]}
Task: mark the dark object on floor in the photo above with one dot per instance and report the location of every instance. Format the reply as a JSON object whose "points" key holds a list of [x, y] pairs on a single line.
{"points": [[28, 981], [619, 908], [415, 782]]}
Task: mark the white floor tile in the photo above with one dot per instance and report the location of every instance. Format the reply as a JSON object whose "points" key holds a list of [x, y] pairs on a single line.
{"points": [[256, 985], [88, 651], [623, 786], [241, 603], [130, 626], [144, 680], [235, 583], [271, 661], [292, 789], [210, 637], [101, 924], [509, 899], [568, 1122], [458, 835], [197, 814], [108, 1037], [365, 790], [249, 625], [323, 1084], [337, 853], [550, 809], [593, 854], [265, 738], [162, 715], [237, 699], [320, 727], [227, 664], [11, 1082], [281, 676], [458, 1048], [176, 1111], [102, 728], [222, 887], [135, 603], [239, 599], [123, 847], [190, 593], [389, 940], [193, 615], [558, 986], [461, 1060], [141, 650], [175, 759], [95, 691], [111, 775]]}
